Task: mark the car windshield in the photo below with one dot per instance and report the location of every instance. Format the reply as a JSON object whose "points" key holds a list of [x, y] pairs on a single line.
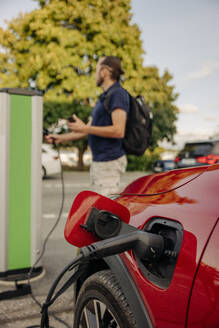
{"points": [[169, 164], [197, 149]]}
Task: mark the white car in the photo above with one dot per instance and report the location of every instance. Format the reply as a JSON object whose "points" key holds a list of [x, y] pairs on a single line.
{"points": [[69, 158], [50, 161]]}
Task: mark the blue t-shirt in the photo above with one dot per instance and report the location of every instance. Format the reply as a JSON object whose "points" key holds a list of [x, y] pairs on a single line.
{"points": [[108, 149]]}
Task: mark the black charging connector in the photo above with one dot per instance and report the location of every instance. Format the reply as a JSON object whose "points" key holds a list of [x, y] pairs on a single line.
{"points": [[46, 133], [143, 243], [106, 225]]}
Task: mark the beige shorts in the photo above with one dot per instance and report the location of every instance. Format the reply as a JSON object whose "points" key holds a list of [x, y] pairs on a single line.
{"points": [[105, 176]]}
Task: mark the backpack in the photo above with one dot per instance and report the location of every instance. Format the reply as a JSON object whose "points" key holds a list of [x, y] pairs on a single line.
{"points": [[138, 126]]}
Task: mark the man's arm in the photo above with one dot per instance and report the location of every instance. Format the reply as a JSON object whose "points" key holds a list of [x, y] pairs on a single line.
{"points": [[62, 138], [65, 137], [116, 130]]}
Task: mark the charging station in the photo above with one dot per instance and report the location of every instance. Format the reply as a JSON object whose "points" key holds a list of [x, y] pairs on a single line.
{"points": [[20, 181]]}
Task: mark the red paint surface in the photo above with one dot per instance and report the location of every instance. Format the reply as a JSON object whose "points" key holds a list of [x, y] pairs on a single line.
{"points": [[204, 306], [195, 206], [80, 211], [188, 196]]}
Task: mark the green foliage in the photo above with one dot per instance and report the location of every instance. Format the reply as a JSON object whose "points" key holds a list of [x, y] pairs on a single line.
{"points": [[55, 49], [54, 111], [144, 162], [160, 97]]}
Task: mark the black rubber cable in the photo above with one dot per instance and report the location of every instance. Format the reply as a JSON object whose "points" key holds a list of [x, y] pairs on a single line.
{"points": [[44, 248], [80, 261]]}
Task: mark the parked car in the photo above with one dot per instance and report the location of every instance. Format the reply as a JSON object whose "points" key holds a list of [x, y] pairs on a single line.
{"points": [[163, 165], [180, 287], [69, 158], [50, 161], [198, 153]]}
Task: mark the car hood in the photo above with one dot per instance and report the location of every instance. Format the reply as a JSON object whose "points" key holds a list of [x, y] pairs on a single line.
{"points": [[163, 182]]}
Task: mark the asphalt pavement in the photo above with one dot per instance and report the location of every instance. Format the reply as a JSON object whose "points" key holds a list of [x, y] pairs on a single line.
{"points": [[23, 312]]}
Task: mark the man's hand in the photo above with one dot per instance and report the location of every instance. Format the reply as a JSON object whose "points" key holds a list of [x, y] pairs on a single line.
{"points": [[57, 138], [78, 125]]}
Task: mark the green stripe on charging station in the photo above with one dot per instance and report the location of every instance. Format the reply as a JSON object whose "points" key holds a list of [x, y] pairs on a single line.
{"points": [[19, 243]]}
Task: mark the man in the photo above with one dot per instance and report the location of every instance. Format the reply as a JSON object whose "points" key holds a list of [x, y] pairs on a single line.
{"points": [[105, 130]]}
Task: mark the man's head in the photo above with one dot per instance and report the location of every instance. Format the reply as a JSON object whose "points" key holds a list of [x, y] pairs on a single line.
{"points": [[108, 68]]}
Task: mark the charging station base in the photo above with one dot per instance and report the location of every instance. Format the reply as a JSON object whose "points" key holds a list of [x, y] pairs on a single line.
{"points": [[20, 290], [19, 280], [20, 275]]}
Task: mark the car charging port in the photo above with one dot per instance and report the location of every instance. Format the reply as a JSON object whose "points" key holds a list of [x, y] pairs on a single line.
{"points": [[106, 225], [102, 224], [160, 270], [145, 245]]}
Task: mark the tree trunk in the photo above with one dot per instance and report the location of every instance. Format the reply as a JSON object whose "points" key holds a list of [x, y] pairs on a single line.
{"points": [[80, 165]]}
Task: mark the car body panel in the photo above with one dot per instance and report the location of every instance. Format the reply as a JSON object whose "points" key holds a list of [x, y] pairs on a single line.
{"points": [[163, 182], [189, 197], [204, 304], [198, 213]]}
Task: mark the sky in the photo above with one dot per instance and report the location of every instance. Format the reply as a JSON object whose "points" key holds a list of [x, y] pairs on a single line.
{"points": [[182, 37]]}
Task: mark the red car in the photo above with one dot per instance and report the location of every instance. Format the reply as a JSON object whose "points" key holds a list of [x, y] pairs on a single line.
{"points": [[198, 153], [179, 286]]}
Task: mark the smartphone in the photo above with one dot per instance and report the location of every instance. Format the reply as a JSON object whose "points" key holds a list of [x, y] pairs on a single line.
{"points": [[71, 119]]}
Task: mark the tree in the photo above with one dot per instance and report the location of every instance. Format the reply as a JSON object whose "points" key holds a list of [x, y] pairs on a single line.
{"points": [[56, 47], [52, 113]]}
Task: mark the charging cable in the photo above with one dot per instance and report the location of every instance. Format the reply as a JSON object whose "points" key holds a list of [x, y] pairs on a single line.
{"points": [[144, 244], [46, 132]]}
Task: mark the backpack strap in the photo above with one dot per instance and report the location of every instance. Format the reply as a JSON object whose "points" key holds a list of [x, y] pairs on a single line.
{"points": [[107, 96]]}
